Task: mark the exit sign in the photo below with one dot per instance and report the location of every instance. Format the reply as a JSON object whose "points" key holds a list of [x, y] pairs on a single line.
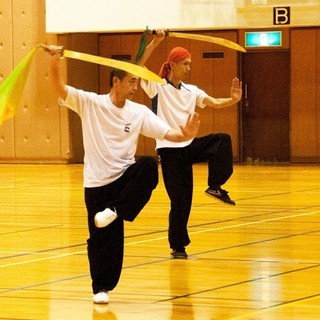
{"points": [[263, 39]]}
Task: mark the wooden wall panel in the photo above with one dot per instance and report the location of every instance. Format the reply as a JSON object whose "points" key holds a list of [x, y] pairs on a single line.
{"points": [[318, 90], [37, 119], [303, 120], [6, 66], [37, 132]]}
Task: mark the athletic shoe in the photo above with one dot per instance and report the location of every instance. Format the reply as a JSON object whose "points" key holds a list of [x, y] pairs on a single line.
{"points": [[179, 253], [221, 195], [104, 218], [101, 297]]}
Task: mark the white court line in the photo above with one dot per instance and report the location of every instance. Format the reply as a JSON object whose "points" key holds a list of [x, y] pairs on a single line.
{"points": [[161, 238], [234, 226], [275, 308], [41, 259]]}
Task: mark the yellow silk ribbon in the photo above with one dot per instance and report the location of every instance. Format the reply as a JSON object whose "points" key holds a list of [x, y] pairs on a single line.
{"points": [[11, 89], [200, 37], [139, 71]]}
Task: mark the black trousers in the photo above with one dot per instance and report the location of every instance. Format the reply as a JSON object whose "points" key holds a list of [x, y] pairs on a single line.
{"points": [[176, 164], [128, 195]]}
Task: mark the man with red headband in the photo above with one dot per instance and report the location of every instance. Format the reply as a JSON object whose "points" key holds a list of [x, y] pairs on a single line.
{"points": [[173, 103]]}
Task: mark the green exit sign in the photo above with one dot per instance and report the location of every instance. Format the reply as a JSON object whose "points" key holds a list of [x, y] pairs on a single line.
{"points": [[263, 39]]}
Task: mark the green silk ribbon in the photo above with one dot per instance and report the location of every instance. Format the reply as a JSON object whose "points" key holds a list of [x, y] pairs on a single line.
{"points": [[11, 89]]}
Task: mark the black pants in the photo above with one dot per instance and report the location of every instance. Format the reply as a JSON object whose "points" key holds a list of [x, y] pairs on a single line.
{"points": [[129, 194], [177, 172]]}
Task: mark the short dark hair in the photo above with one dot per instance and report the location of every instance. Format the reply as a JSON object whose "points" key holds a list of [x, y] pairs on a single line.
{"points": [[117, 73]]}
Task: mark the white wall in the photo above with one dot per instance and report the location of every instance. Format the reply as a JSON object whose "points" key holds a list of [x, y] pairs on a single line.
{"points": [[134, 15]]}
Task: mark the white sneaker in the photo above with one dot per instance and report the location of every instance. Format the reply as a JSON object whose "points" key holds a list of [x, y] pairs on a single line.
{"points": [[101, 297], [104, 218]]}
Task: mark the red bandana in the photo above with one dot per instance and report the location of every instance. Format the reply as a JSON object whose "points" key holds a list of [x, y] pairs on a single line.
{"points": [[177, 54]]}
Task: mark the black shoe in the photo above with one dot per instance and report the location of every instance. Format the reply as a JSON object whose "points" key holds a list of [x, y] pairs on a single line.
{"points": [[220, 194], [179, 253]]}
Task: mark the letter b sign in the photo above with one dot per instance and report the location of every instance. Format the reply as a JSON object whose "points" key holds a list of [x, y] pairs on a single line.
{"points": [[281, 15]]}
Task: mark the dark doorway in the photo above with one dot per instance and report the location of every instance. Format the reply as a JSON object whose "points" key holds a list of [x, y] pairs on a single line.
{"points": [[265, 107]]}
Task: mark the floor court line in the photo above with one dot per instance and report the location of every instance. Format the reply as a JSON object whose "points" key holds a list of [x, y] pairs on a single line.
{"points": [[283, 305], [165, 237], [232, 226]]}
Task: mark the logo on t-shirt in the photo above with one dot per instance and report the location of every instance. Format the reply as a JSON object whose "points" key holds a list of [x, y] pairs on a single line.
{"points": [[127, 127]]}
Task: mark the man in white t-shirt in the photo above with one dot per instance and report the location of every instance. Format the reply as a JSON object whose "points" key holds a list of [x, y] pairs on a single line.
{"points": [[117, 186], [173, 102]]}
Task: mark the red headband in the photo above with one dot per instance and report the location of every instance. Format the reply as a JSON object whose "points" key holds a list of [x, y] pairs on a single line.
{"points": [[177, 54]]}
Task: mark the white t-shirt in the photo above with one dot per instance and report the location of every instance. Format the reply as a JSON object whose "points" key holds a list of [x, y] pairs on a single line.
{"points": [[174, 105], [110, 134]]}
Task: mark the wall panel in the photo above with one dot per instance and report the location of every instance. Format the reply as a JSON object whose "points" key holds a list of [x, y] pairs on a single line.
{"points": [[40, 130], [6, 66], [303, 120], [317, 58], [37, 120]]}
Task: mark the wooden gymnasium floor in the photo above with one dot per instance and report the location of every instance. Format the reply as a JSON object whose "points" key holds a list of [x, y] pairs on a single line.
{"points": [[258, 260]]}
